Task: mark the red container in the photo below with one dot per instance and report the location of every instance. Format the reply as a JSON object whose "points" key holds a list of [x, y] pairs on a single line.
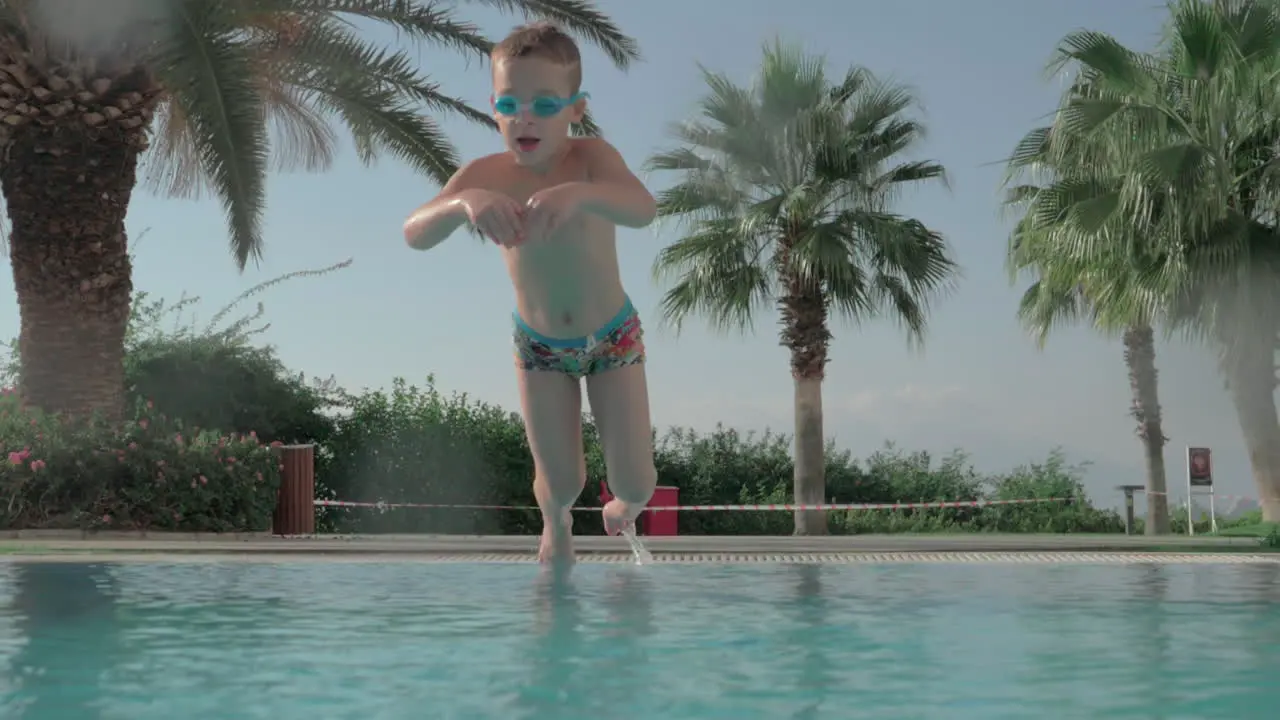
{"points": [[665, 522]]}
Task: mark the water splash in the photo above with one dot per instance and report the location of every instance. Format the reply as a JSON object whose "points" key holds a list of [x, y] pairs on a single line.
{"points": [[642, 556]]}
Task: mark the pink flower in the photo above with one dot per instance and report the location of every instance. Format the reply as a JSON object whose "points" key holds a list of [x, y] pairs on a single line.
{"points": [[193, 484], [159, 463], [19, 457], [143, 423], [204, 480], [231, 460], [177, 438], [37, 465], [106, 518], [150, 405], [133, 446]]}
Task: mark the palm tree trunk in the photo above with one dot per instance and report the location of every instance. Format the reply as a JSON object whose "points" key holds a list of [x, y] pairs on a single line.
{"points": [[810, 464], [67, 195], [1140, 359], [1251, 376], [805, 334]]}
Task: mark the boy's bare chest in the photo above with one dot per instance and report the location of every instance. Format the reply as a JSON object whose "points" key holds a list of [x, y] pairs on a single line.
{"points": [[520, 185]]}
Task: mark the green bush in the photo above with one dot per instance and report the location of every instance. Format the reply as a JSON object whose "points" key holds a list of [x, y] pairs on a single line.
{"points": [[414, 445], [1203, 525], [955, 480], [147, 473], [234, 398], [233, 387], [215, 377], [725, 467]]}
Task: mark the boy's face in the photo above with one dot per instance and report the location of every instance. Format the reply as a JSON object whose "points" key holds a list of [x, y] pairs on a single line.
{"points": [[530, 134]]}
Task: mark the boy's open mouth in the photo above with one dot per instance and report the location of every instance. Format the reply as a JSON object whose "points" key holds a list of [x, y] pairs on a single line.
{"points": [[527, 144]]}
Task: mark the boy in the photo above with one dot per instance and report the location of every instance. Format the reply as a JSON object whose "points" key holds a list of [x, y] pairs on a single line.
{"points": [[552, 203]]}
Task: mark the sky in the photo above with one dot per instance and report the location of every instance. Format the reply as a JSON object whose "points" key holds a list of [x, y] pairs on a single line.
{"points": [[980, 384]]}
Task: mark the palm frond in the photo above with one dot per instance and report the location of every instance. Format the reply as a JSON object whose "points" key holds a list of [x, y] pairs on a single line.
{"points": [[303, 138], [1097, 54], [718, 274], [1044, 307], [380, 123], [587, 127], [339, 52], [415, 20], [209, 75], [580, 18], [172, 167], [683, 158]]}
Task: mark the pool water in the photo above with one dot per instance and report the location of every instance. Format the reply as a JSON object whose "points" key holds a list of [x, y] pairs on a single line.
{"points": [[427, 641]]}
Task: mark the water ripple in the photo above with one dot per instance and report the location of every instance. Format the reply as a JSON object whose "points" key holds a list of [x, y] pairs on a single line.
{"points": [[374, 641]]}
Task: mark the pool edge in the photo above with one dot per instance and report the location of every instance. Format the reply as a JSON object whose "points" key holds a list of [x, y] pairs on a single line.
{"points": [[746, 558]]}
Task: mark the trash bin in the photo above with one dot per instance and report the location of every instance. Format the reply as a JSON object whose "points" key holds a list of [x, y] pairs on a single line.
{"points": [[665, 522]]}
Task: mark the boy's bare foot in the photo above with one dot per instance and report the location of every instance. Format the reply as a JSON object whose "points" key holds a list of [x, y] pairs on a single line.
{"points": [[556, 547], [618, 515]]}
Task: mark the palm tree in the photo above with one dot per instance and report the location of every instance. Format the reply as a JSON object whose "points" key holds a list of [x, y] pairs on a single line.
{"points": [[218, 89], [785, 197], [1200, 187], [1109, 291], [1065, 291]]}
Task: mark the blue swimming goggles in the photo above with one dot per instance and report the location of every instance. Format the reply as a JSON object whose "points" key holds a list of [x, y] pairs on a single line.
{"points": [[543, 106]]}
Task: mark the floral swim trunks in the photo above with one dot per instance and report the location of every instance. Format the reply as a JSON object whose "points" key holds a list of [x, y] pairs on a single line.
{"points": [[618, 344]]}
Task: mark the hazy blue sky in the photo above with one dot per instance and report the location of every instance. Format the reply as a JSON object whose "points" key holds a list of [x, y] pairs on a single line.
{"points": [[980, 383]]}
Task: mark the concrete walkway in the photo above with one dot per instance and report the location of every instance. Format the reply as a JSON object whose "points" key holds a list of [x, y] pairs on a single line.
{"points": [[15, 545]]}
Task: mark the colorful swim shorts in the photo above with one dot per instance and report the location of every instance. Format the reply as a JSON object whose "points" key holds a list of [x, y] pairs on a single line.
{"points": [[618, 344]]}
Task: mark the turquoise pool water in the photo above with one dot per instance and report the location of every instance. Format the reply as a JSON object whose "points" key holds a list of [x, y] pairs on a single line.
{"points": [[418, 641]]}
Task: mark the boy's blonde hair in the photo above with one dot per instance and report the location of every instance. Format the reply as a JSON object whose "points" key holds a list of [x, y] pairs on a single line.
{"points": [[542, 40]]}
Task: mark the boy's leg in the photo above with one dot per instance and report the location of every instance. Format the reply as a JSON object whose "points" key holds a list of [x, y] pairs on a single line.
{"points": [[620, 405], [552, 406]]}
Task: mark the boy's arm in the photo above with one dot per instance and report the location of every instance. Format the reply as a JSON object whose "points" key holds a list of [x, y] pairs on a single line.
{"points": [[614, 192], [432, 223]]}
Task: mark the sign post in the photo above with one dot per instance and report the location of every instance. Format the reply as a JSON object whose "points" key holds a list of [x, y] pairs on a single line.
{"points": [[1199, 477]]}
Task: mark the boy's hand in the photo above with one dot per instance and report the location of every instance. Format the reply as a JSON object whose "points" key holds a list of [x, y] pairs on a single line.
{"points": [[495, 215], [547, 210]]}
